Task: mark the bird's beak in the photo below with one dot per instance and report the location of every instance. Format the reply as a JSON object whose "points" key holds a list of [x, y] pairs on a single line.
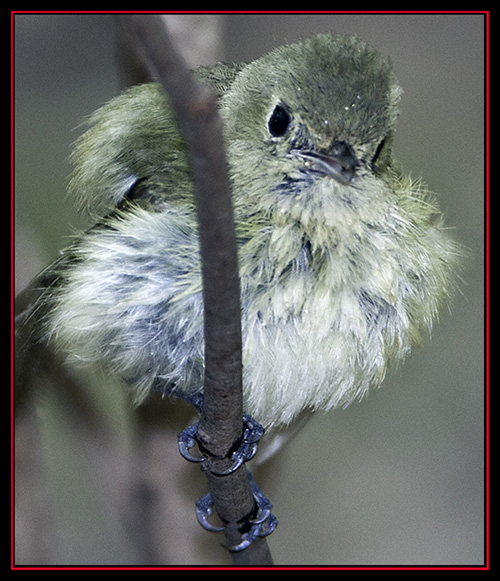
{"points": [[339, 164]]}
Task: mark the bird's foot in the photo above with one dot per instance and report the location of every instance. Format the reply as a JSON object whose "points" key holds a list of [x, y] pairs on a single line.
{"points": [[245, 450], [262, 524]]}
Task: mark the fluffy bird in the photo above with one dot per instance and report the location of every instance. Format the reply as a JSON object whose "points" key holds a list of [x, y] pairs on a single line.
{"points": [[344, 261]]}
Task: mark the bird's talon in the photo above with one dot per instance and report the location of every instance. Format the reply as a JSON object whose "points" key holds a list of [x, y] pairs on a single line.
{"points": [[204, 509], [264, 522], [252, 432], [187, 440], [257, 530]]}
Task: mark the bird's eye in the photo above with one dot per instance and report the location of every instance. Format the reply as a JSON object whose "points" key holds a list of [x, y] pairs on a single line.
{"points": [[279, 122]]}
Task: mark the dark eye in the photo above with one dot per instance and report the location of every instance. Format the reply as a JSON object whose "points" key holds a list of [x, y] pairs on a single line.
{"points": [[279, 121]]}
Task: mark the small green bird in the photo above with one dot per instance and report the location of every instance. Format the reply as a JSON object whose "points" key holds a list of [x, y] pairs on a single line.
{"points": [[343, 260]]}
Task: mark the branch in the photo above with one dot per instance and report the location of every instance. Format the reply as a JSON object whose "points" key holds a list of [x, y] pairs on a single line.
{"points": [[220, 424]]}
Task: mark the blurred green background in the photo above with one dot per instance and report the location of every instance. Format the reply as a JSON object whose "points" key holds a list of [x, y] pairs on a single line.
{"points": [[395, 479]]}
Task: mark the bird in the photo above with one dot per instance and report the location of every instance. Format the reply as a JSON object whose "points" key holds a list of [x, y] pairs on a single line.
{"points": [[344, 260]]}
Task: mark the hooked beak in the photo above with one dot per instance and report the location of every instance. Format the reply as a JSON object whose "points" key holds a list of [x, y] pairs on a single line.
{"points": [[339, 164]]}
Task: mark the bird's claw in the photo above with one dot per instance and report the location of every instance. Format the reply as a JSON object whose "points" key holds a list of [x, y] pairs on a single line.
{"points": [[261, 525], [252, 432], [204, 509], [264, 522], [187, 440]]}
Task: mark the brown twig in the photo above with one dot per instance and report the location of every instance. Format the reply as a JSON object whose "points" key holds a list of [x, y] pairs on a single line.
{"points": [[221, 417]]}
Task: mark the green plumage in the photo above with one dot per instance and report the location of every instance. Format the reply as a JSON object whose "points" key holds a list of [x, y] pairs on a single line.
{"points": [[343, 260]]}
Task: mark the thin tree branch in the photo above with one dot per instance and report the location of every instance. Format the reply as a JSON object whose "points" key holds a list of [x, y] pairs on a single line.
{"points": [[221, 417]]}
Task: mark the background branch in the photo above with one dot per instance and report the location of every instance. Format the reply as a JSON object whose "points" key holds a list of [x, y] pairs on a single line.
{"points": [[220, 424]]}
